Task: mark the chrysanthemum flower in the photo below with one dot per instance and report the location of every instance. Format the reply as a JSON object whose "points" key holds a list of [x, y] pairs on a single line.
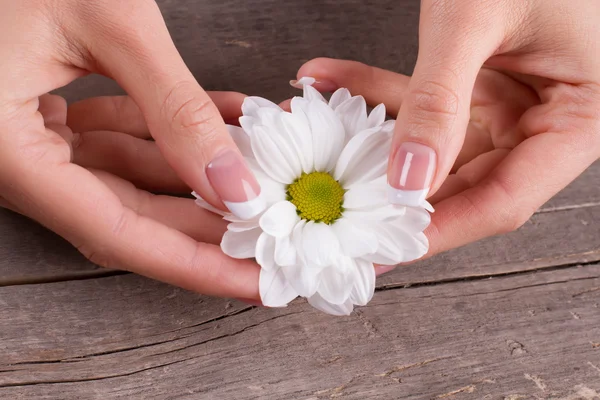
{"points": [[327, 220]]}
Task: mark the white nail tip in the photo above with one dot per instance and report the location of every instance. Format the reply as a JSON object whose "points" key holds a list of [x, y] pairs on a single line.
{"points": [[410, 198], [299, 84], [247, 209]]}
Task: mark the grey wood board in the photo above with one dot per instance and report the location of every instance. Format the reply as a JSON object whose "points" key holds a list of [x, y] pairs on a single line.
{"points": [[257, 46], [534, 335]]}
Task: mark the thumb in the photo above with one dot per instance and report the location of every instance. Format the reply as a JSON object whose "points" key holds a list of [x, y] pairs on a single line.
{"points": [[138, 52], [432, 121]]}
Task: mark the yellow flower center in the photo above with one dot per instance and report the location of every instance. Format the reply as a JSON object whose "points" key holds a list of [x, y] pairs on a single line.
{"points": [[317, 196]]}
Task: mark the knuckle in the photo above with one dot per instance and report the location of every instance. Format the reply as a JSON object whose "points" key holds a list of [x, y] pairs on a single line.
{"points": [[191, 114], [510, 215], [432, 97], [433, 105], [97, 255]]}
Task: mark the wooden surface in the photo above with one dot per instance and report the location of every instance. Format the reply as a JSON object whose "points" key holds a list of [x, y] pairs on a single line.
{"points": [[512, 317]]}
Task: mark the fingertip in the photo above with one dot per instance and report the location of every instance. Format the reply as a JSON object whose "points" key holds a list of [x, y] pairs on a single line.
{"points": [[323, 70], [53, 109]]}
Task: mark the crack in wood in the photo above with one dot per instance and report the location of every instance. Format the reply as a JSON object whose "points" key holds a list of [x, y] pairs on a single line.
{"points": [[472, 278], [227, 334], [595, 289], [73, 276], [594, 367], [87, 357], [567, 208], [537, 380], [401, 368]]}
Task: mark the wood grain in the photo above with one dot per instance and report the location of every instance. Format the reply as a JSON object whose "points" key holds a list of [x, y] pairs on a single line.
{"points": [[531, 334]]}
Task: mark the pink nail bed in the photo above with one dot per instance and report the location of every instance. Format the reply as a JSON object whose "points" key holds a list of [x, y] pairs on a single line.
{"points": [[233, 181], [411, 174]]}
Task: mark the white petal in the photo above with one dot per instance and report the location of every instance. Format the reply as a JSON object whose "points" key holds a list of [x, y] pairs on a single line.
{"points": [[275, 290], [267, 116], [428, 207], [297, 236], [297, 128], [310, 94], [364, 283], [388, 126], [376, 117], [365, 196], [327, 135], [414, 220], [265, 251], [299, 105], [353, 114], [285, 252], [364, 158], [335, 284], [200, 202], [272, 190], [304, 280], [279, 219], [269, 156], [354, 241], [319, 244], [338, 97], [281, 137], [240, 244], [368, 216], [252, 104], [305, 80], [241, 139], [334, 309], [242, 225], [397, 246], [247, 123]]}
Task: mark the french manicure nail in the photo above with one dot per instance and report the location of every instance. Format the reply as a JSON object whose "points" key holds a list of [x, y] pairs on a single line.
{"points": [[321, 85], [236, 186], [412, 170]]}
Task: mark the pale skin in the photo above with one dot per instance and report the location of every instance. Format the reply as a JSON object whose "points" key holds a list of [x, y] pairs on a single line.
{"points": [[506, 93]]}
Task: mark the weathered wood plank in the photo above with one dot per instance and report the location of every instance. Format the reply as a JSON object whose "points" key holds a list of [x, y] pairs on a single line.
{"points": [[531, 334], [256, 46]]}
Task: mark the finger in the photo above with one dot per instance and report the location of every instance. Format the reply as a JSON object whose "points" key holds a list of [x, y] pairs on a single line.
{"points": [[180, 115], [53, 109], [374, 84], [63, 131], [122, 114], [469, 174], [178, 213], [108, 113], [528, 177], [433, 118], [136, 160], [9, 206], [115, 236]]}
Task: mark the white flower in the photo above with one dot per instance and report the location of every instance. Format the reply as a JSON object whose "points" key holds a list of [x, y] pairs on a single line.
{"points": [[322, 171]]}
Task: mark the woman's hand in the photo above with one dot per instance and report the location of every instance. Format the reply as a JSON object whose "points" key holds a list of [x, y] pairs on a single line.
{"points": [[511, 134], [55, 167]]}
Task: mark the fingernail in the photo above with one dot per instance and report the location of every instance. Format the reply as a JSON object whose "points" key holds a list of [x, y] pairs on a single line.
{"points": [[251, 302], [382, 269], [236, 186], [411, 174], [322, 85]]}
